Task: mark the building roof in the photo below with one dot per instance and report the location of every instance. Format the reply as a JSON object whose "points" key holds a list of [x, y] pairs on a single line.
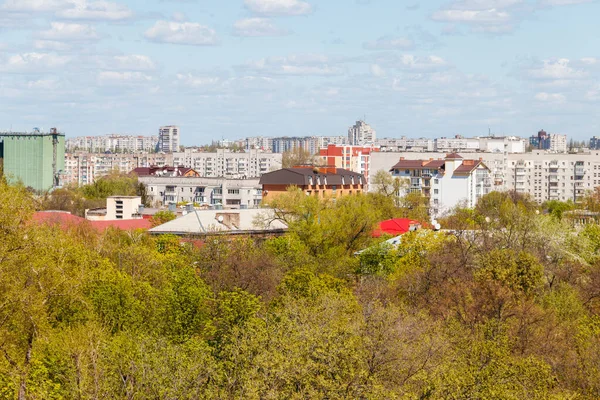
{"points": [[214, 222], [419, 164], [468, 166], [453, 156], [164, 171], [397, 226], [300, 176], [66, 219]]}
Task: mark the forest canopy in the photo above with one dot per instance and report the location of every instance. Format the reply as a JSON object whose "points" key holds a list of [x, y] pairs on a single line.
{"points": [[505, 306]]}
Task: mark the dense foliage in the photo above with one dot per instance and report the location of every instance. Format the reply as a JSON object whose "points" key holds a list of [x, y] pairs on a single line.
{"points": [[76, 199], [507, 306]]}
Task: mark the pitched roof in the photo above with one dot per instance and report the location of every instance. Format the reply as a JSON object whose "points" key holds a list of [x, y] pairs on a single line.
{"points": [[163, 171], [397, 226], [300, 176], [452, 156], [419, 164], [468, 166], [207, 222]]}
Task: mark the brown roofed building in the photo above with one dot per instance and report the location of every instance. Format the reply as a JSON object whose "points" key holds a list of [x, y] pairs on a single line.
{"points": [[314, 181], [447, 183], [166, 171]]}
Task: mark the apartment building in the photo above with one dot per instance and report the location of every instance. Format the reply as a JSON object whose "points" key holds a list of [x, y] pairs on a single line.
{"points": [[218, 192], [83, 168], [541, 174], [353, 158], [314, 181], [168, 139], [310, 144], [446, 182], [113, 143], [230, 164], [361, 133]]}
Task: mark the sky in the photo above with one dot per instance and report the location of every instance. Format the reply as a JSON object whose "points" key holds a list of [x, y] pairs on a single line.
{"points": [[228, 69]]}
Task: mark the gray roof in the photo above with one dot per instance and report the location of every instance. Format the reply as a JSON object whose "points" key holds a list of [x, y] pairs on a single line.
{"points": [[299, 176], [203, 222]]}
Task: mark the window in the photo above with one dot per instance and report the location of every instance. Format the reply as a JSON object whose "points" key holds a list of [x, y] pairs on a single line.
{"points": [[233, 191], [435, 191], [436, 181]]}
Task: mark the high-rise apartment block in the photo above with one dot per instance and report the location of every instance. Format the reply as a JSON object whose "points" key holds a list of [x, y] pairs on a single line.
{"points": [[595, 143], [352, 158], [112, 143], [541, 174], [361, 133], [168, 139], [35, 158], [553, 142], [227, 163]]}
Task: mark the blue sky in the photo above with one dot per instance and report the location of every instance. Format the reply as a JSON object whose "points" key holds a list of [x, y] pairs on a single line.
{"points": [[237, 68]]}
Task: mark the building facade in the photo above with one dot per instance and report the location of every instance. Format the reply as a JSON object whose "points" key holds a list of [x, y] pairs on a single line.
{"points": [[112, 143], [541, 174], [314, 181], [34, 158], [168, 139], [447, 182], [230, 164], [361, 133], [353, 158], [216, 192], [83, 168]]}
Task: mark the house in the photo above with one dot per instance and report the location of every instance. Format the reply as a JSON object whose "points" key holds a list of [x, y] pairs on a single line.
{"points": [[206, 223], [65, 220], [314, 181], [447, 183]]}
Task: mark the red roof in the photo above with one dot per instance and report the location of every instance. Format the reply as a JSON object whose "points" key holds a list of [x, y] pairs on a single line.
{"points": [[66, 219], [396, 227]]}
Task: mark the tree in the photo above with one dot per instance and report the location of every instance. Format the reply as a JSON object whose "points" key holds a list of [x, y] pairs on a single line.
{"points": [[162, 217], [298, 156], [384, 183]]}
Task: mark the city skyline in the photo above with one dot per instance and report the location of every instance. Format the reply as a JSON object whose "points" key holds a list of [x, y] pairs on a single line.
{"points": [[296, 68]]}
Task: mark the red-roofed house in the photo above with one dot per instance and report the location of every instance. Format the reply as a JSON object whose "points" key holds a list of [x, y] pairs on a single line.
{"points": [[448, 182], [66, 219], [396, 227]]}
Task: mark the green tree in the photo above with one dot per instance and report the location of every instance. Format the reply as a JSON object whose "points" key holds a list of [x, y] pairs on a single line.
{"points": [[162, 217]]}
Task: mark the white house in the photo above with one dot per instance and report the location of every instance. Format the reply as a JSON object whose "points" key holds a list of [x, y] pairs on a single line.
{"points": [[447, 183]]}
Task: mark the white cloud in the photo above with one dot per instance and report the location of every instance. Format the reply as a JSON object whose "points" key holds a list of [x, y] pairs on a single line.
{"points": [[493, 16], [72, 9], [377, 71], [560, 69], [188, 33], [550, 97], [61, 31], [389, 43], [278, 7], [303, 64], [125, 77], [563, 2], [134, 62], [257, 27], [33, 62], [36, 5], [191, 80]]}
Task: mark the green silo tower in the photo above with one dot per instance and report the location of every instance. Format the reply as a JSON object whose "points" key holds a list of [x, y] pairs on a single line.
{"points": [[37, 159]]}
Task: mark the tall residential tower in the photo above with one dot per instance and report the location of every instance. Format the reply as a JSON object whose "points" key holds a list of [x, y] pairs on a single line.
{"points": [[168, 139]]}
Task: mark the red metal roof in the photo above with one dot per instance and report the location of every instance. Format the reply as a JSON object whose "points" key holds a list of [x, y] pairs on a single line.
{"points": [[395, 227], [66, 219]]}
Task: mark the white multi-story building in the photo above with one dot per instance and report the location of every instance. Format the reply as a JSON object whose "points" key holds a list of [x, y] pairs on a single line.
{"points": [[361, 133], [83, 168], [558, 143], [228, 193], [541, 174], [168, 139], [227, 163], [447, 182], [113, 143]]}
